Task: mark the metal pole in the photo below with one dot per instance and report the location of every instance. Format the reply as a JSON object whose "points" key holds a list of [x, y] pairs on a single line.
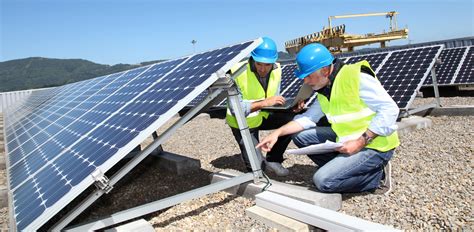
{"points": [[161, 204], [435, 85], [253, 155], [194, 45]]}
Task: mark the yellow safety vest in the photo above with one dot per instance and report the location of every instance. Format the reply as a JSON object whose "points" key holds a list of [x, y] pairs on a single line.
{"points": [[253, 91], [348, 114]]}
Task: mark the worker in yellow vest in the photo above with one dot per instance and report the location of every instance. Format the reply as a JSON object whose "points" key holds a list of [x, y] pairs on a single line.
{"points": [[259, 86], [362, 116]]}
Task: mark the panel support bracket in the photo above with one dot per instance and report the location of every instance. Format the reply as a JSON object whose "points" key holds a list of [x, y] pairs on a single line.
{"points": [[101, 181]]}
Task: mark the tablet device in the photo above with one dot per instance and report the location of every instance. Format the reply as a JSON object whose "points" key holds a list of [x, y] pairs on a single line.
{"points": [[304, 93]]}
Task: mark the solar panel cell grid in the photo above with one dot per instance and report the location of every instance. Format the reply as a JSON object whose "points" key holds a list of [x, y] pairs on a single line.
{"points": [[404, 71], [466, 72], [92, 125], [287, 73], [446, 71], [48, 115], [374, 60], [293, 89], [41, 159]]}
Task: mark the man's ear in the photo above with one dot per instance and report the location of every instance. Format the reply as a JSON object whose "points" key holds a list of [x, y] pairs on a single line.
{"points": [[326, 70]]}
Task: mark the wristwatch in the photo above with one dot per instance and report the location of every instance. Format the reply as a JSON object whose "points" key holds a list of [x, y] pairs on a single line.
{"points": [[367, 138]]}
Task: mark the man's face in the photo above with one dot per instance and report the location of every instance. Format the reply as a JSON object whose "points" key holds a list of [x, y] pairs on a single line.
{"points": [[318, 79], [263, 68]]}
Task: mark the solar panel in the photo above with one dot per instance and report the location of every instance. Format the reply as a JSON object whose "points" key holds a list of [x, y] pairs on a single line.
{"points": [[19, 110], [447, 70], [91, 125], [466, 71], [285, 86], [198, 99], [405, 71], [290, 84], [287, 71], [401, 72], [374, 60]]}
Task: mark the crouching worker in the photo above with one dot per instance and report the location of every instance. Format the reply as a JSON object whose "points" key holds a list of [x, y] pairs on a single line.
{"points": [[259, 86], [362, 116]]}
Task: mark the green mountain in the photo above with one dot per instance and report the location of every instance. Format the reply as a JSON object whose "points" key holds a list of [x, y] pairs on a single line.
{"points": [[38, 72]]}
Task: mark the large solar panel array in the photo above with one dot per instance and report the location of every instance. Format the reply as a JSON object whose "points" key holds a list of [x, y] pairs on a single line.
{"points": [[466, 71], [401, 72], [455, 68], [55, 145]]}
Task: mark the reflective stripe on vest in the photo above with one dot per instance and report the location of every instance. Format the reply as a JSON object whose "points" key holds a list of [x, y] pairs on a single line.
{"points": [[348, 114], [350, 117], [253, 91]]}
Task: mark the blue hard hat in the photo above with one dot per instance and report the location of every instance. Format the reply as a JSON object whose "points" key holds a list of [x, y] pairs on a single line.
{"points": [[266, 52], [311, 58]]}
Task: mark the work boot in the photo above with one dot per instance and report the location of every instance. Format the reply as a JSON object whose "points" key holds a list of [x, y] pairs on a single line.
{"points": [[276, 168], [386, 183]]}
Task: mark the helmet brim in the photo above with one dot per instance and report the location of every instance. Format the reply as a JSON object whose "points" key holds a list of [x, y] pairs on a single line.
{"points": [[264, 59], [301, 75]]}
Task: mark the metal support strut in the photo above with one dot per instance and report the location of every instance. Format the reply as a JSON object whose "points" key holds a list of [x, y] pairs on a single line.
{"points": [[254, 158], [435, 85]]}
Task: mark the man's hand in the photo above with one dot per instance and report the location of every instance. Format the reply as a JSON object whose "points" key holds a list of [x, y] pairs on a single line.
{"points": [[352, 146], [275, 100], [299, 107], [267, 143]]}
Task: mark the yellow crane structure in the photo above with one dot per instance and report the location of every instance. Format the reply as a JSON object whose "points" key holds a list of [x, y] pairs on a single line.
{"points": [[336, 39]]}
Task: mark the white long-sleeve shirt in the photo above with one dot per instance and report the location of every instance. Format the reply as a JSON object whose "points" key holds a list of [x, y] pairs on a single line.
{"points": [[374, 96]]}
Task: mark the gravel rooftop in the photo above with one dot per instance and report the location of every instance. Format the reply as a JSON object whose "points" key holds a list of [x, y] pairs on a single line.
{"points": [[431, 170]]}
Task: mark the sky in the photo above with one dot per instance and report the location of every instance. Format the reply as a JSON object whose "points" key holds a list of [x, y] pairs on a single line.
{"points": [[134, 31]]}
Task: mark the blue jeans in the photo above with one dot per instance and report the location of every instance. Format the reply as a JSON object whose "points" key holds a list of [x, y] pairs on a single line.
{"points": [[343, 173]]}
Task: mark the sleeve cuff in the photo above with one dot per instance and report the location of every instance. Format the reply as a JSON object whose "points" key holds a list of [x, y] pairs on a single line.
{"points": [[305, 122]]}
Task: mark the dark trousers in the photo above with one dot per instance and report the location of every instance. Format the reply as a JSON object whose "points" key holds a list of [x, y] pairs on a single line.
{"points": [[274, 121]]}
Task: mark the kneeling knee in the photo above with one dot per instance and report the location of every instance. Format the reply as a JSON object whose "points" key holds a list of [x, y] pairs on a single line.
{"points": [[298, 141], [323, 183]]}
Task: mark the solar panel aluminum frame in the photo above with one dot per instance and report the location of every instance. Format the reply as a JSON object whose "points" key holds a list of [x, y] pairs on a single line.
{"points": [[89, 180], [436, 102], [219, 86]]}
